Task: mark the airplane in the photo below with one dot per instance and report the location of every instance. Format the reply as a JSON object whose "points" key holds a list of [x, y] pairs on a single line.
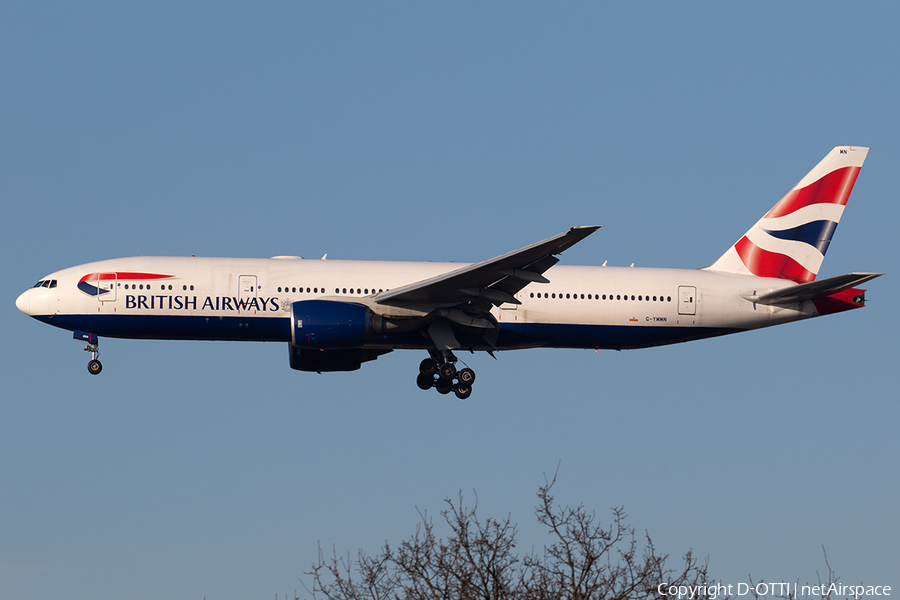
{"points": [[337, 314]]}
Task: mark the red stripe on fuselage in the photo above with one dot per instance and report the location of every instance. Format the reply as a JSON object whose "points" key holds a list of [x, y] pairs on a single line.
{"points": [[135, 276], [838, 302]]}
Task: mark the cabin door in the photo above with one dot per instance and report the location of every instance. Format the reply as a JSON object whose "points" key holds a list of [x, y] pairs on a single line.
{"points": [[687, 300], [106, 287], [247, 288]]}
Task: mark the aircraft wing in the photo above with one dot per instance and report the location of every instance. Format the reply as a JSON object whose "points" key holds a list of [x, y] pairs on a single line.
{"points": [[812, 290], [491, 282]]}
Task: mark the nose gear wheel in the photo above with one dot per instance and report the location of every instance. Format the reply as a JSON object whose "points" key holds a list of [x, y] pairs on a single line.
{"points": [[94, 366]]}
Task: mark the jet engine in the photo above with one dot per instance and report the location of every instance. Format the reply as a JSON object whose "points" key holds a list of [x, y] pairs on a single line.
{"points": [[327, 324]]}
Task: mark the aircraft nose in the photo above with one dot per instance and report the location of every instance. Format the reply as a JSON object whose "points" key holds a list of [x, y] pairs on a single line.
{"points": [[23, 302]]}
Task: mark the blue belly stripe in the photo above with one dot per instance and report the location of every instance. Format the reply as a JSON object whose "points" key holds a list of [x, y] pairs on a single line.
{"points": [[277, 329]]}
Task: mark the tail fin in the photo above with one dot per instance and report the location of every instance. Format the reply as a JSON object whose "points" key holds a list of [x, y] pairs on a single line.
{"points": [[791, 239]]}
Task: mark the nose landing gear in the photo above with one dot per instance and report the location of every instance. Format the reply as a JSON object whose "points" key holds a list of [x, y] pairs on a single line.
{"points": [[441, 376], [93, 346]]}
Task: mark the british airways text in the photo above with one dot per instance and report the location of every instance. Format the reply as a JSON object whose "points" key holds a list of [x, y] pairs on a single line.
{"points": [[171, 302]]}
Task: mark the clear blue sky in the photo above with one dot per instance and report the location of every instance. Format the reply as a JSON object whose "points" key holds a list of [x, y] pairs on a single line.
{"points": [[437, 131]]}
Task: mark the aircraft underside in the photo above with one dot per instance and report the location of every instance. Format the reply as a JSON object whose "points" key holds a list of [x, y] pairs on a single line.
{"points": [[512, 336], [438, 371]]}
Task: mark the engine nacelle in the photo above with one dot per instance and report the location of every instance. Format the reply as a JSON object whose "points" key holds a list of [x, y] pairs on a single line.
{"points": [[321, 361], [326, 324]]}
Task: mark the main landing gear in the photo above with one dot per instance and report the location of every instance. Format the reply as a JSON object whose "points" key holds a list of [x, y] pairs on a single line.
{"points": [[441, 376], [94, 365]]}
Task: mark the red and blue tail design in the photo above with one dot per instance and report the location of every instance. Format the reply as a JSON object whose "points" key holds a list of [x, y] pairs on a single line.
{"points": [[790, 241]]}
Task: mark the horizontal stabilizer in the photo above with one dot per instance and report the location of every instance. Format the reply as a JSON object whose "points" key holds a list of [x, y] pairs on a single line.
{"points": [[812, 290]]}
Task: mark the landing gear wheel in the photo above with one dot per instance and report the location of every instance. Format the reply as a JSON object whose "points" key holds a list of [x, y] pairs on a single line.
{"points": [[466, 376], [443, 386], [425, 381], [94, 367], [447, 371], [428, 367], [463, 391]]}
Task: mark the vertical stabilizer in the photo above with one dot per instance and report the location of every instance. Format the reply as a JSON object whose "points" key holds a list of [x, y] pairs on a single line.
{"points": [[790, 241]]}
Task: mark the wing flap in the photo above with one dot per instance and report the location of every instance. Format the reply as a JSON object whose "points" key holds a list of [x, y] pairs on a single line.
{"points": [[495, 281]]}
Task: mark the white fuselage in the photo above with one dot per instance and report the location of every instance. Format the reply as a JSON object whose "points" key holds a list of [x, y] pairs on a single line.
{"points": [[250, 299]]}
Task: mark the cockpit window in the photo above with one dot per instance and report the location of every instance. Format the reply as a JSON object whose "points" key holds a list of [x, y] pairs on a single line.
{"points": [[53, 283], [46, 283], [38, 284]]}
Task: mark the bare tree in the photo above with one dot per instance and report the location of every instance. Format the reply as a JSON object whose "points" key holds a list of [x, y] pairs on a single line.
{"points": [[826, 589], [586, 561], [583, 561]]}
